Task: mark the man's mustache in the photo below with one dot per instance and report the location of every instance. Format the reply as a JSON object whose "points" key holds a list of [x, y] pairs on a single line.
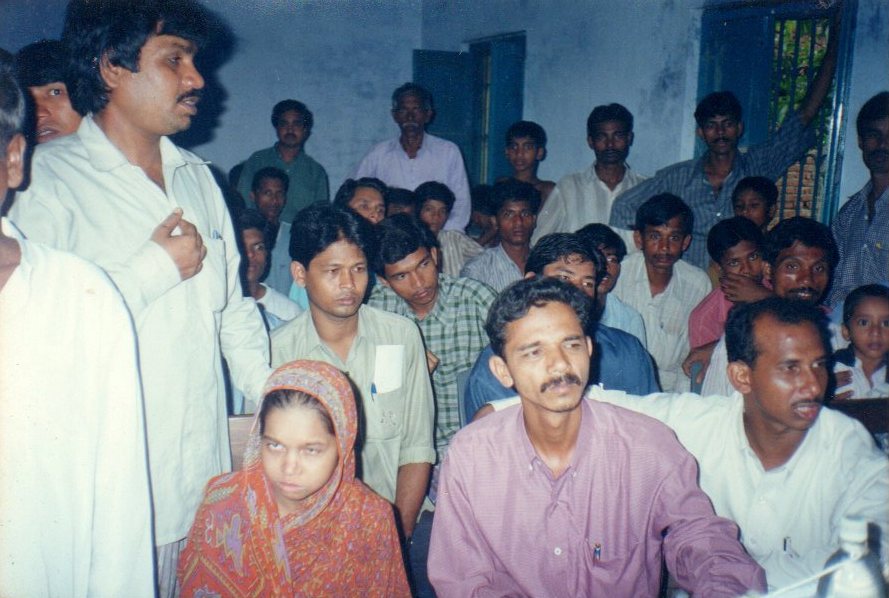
{"points": [[194, 93], [563, 379]]}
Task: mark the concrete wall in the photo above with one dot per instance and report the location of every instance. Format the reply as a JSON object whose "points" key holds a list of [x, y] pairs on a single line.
{"points": [[639, 53]]}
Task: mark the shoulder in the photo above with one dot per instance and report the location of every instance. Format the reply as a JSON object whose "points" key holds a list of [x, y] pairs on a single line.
{"points": [[293, 330], [485, 436], [389, 326], [677, 169], [620, 341], [845, 437], [468, 290], [646, 436], [693, 275], [60, 270], [441, 144], [259, 156]]}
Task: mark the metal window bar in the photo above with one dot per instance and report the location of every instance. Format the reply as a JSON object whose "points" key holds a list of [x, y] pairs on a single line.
{"points": [[796, 61]]}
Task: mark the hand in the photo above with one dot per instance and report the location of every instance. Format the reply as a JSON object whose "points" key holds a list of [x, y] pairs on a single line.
{"points": [[742, 289], [431, 361], [700, 355], [185, 249]]}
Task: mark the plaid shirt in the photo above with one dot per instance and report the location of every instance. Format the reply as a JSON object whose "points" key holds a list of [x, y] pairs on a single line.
{"points": [[454, 332], [863, 245], [688, 181]]}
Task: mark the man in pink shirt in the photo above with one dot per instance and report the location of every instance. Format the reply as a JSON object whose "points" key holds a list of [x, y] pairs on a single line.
{"points": [[564, 497]]}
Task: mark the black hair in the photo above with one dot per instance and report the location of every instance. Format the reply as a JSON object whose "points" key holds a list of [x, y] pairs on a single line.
{"points": [[810, 233], [320, 225], [12, 103], [513, 190], [480, 197], [608, 112], [516, 300], [412, 89], [854, 299], [269, 172], [401, 197], [297, 106], [718, 103], [764, 187], [398, 236], [42, 63], [251, 218], [875, 108], [437, 191], [116, 30], [556, 247], [347, 190], [601, 235], [740, 343], [526, 128], [725, 234], [283, 398], [658, 210]]}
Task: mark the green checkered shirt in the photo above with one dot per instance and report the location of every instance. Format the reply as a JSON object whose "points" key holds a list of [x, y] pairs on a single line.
{"points": [[454, 331]]}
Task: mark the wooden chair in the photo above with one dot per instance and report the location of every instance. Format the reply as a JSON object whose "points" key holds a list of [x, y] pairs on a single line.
{"points": [[873, 413], [238, 432]]}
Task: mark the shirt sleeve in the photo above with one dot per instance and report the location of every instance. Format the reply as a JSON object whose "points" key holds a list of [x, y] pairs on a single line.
{"points": [[772, 158], [141, 277], [368, 166], [552, 217], [623, 211], [459, 184], [460, 562], [419, 416], [243, 337], [702, 551]]}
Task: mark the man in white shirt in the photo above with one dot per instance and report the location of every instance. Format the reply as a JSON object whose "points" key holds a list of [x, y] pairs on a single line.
{"points": [[119, 193], [75, 507], [585, 197], [771, 458], [661, 287], [415, 156]]}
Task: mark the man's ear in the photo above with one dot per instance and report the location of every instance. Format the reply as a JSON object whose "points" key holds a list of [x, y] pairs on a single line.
{"points": [[738, 374], [298, 272], [699, 132], [14, 162], [383, 281], [590, 347], [686, 241], [740, 129], [498, 367], [111, 74], [845, 330], [435, 255], [589, 141], [530, 275], [630, 138], [637, 239]]}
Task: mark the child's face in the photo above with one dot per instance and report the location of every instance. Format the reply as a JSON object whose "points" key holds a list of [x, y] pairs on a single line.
{"points": [[299, 455], [752, 206], [745, 259], [663, 245], [369, 204], [523, 154], [868, 329], [257, 253], [434, 214]]}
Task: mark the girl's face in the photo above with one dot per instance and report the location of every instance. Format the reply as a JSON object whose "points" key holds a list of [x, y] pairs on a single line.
{"points": [[868, 329], [752, 206], [299, 455]]}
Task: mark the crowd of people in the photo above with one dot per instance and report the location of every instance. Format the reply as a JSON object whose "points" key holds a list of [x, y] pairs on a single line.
{"points": [[456, 390]]}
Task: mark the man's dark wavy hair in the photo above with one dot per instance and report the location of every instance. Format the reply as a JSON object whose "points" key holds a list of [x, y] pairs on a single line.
{"points": [[516, 300], [116, 30], [320, 225]]}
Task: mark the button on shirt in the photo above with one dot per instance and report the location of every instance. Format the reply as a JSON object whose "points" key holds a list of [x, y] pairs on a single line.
{"points": [[579, 199], [504, 525], [437, 160], [85, 197], [455, 332], [387, 363], [789, 516], [665, 315], [687, 180]]}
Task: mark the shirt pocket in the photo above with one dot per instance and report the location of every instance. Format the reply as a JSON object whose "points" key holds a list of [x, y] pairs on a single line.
{"points": [[212, 280]]}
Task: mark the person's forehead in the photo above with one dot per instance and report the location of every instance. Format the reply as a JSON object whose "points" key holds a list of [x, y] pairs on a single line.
{"points": [[409, 98], [749, 195], [608, 126], [367, 194], [408, 262], [339, 251], [251, 232], [674, 224], [270, 182], [171, 42], [522, 140], [800, 250], [575, 261], [515, 205], [432, 202], [291, 115], [553, 319], [767, 328]]}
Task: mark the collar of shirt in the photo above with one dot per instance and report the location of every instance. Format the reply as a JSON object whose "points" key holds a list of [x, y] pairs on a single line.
{"points": [[105, 156], [313, 341], [585, 436]]}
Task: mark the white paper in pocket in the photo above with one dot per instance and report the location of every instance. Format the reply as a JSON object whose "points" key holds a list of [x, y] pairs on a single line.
{"points": [[388, 365]]}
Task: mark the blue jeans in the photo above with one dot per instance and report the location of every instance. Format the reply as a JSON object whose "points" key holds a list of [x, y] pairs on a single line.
{"points": [[417, 554]]}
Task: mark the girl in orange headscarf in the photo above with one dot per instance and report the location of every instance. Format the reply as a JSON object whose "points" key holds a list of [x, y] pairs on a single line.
{"points": [[295, 521]]}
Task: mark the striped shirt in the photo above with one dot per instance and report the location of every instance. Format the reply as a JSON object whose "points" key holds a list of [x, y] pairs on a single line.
{"points": [[454, 332], [688, 181], [493, 267]]}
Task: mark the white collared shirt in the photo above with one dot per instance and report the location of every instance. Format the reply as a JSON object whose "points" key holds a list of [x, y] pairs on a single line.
{"points": [[789, 516], [85, 197]]}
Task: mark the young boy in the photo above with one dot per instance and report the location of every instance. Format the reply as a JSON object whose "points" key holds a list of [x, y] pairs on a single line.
{"points": [[435, 202], [735, 246], [861, 368], [661, 287], [756, 198], [525, 149], [482, 227]]}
